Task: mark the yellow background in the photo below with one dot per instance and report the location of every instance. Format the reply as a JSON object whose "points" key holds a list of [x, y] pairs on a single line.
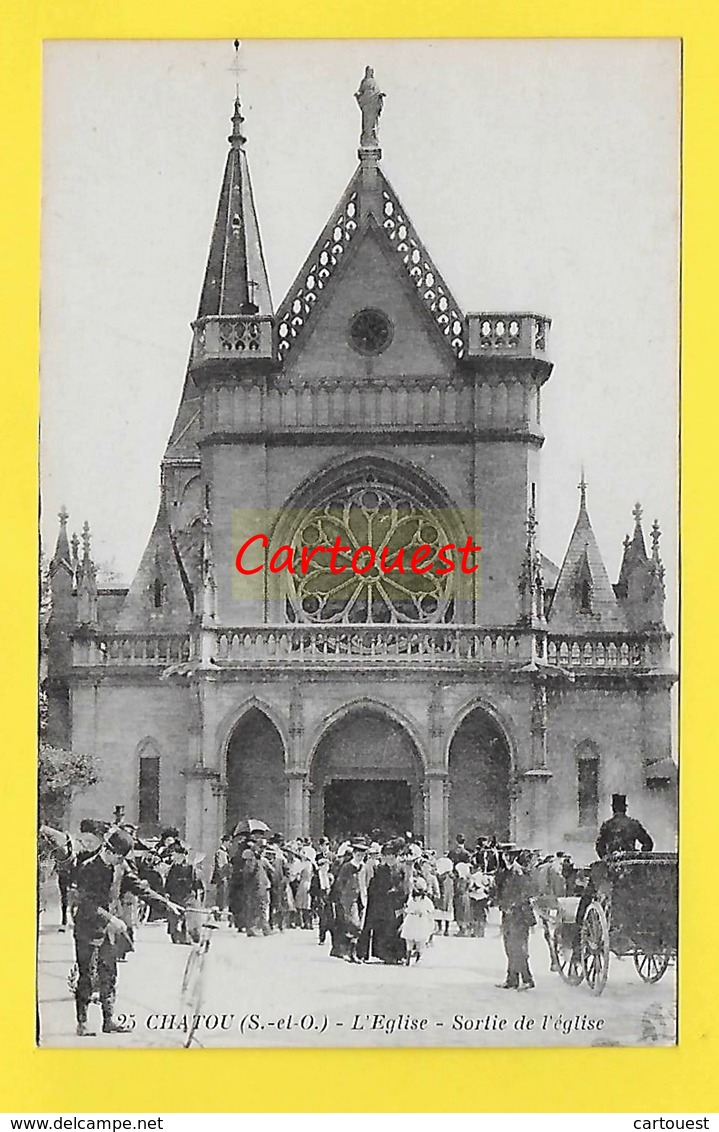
{"points": [[681, 1079]]}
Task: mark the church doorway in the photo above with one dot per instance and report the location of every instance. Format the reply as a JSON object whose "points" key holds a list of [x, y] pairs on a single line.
{"points": [[479, 775], [367, 806], [366, 779], [256, 773]]}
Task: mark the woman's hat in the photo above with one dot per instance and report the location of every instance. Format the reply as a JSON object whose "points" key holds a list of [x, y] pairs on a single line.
{"points": [[420, 885], [444, 865]]}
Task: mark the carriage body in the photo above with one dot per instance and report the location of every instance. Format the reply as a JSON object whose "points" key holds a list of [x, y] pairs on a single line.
{"points": [[630, 908]]}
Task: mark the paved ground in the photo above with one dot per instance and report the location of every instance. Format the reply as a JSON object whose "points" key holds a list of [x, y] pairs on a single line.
{"points": [[285, 991]]}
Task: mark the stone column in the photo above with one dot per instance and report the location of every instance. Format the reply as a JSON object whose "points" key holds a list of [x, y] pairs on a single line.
{"points": [[296, 782], [436, 795], [536, 785], [201, 829]]}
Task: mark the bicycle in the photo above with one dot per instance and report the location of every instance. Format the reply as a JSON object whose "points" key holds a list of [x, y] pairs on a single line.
{"points": [[192, 989]]}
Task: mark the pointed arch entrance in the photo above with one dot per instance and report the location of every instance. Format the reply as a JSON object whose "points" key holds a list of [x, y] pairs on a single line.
{"points": [[256, 781], [366, 778], [480, 768]]}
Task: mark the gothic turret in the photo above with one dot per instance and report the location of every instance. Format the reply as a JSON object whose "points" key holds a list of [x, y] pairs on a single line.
{"points": [[640, 587], [584, 598]]}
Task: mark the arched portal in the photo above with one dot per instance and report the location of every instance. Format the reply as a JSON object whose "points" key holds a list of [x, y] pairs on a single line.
{"points": [[479, 775], [256, 772], [366, 778]]}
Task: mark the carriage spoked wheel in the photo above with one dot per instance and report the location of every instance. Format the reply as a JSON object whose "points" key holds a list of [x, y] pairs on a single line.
{"points": [[566, 954], [651, 965], [594, 947]]}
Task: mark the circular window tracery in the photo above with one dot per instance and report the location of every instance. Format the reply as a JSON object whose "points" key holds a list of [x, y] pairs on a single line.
{"points": [[370, 331], [387, 519]]}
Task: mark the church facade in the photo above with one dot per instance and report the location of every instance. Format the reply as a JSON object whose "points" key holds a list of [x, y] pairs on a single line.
{"points": [[511, 700]]}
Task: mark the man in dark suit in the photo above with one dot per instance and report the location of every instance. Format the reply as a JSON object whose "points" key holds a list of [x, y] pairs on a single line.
{"points": [[620, 833], [100, 936]]}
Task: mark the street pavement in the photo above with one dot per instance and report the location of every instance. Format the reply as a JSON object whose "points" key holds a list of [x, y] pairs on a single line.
{"points": [[285, 991]]}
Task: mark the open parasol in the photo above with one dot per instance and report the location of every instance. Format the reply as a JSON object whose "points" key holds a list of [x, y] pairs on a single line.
{"points": [[251, 825]]}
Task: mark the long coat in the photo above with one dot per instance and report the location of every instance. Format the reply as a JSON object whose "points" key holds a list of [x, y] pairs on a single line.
{"points": [[386, 896]]}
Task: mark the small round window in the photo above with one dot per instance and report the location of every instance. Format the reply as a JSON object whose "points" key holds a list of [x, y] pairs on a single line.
{"points": [[370, 332]]}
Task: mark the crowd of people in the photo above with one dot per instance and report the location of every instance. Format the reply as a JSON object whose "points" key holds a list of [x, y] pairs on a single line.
{"points": [[372, 901]]}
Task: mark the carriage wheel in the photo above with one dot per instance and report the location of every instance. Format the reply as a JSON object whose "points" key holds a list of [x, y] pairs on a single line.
{"points": [[651, 965], [567, 956], [594, 947]]}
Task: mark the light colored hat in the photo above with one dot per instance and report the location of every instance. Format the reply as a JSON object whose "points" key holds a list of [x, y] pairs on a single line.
{"points": [[420, 884], [444, 865], [462, 869], [414, 851], [344, 848], [308, 853], [375, 848]]}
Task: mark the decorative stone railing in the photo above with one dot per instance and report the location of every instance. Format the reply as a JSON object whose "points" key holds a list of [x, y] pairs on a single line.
{"points": [[232, 336], [372, 644], [607, 653], [452, 646], [507, 335], [119, 649]]}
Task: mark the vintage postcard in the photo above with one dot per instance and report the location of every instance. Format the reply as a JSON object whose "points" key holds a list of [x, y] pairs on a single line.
{"points": [[359, 571]]}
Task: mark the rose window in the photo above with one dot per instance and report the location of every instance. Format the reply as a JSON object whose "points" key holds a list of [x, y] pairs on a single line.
{"points": [[393, 525]]}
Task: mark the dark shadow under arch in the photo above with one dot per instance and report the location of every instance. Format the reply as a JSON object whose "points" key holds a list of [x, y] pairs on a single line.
{"points": [[366, 777], [479, 775], [256, 782]]}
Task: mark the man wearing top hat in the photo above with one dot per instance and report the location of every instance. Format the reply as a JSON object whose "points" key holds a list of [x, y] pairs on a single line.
{"points": [[99, 881], [620, 833]]}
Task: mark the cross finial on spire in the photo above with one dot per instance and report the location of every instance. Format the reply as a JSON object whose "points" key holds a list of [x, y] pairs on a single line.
{"points": [[75, 544], [637, 513], [582, 485], [63, 516], [236, 138]]}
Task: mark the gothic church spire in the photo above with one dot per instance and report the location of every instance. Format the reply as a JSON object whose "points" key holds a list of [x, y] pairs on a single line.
{"points": [[236, 280]]}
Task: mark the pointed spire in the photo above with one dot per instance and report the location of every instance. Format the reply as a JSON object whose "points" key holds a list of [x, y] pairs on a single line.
{"points": [[236, 280], [531, 584], [86, 543], [584, 596], [655, 537], [61, 557], [86, 582], [640, 587], [582, 485]]}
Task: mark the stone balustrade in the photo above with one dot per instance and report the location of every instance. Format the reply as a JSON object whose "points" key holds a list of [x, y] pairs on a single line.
{"points": [[392, 646], [508, 335], [232, 337], [610, 653], [120, 649], [372, 645]]}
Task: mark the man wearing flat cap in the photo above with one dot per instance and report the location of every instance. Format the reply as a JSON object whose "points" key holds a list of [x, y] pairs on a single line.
{"points": [[620, 833], [99, 881]]}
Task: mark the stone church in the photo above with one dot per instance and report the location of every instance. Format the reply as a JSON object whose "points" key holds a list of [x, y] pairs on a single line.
{"points": [[512, 701]]}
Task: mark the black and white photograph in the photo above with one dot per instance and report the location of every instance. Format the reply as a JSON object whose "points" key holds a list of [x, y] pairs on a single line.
{"points": [[359, 562]]}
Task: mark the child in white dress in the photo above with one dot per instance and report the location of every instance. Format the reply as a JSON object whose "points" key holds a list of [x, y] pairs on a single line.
{"points": [[418, 924]]}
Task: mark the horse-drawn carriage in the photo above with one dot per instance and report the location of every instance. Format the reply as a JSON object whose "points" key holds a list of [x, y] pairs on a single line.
{"points": [[629, 907]]}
